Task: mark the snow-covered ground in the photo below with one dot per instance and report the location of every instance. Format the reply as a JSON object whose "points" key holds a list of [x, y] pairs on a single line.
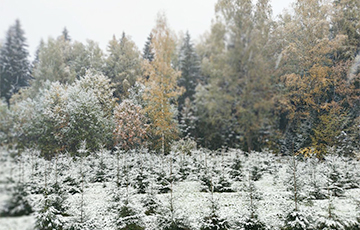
{"points": [[272, 176]]}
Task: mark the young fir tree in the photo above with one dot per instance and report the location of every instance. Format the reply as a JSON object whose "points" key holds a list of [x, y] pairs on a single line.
{"points": [[127, 216], [161, 90], [251, 221], [213, 221], [331, 220], [296, 219], [14, 63], [168, 215]]}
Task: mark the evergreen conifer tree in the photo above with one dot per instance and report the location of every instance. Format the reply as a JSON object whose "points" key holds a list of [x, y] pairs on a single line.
{"points": [[148, 53], [122, 65], [190, 70], [14, 63], [66, 35]]}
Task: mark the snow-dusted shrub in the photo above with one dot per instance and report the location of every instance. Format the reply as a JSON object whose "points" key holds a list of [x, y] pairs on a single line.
{"points": [[258, 164], [100, 171], [18, 204], [331, 220], [176, 225], [163, 180], [126, 212], [184, 169], [215, 177], [82, 225], [206, 182]]}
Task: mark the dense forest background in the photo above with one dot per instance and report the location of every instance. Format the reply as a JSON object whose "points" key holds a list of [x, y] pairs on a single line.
{"points": [[290, 84]]}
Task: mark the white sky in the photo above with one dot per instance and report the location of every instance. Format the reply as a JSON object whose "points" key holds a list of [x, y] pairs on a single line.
{"points": [[100, 19]]}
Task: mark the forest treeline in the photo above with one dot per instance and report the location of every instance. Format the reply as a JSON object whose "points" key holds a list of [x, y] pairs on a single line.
{"points": [[289, 84]]}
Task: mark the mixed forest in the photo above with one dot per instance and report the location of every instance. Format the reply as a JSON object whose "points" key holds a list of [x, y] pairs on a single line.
{"points": [[256, 99]]}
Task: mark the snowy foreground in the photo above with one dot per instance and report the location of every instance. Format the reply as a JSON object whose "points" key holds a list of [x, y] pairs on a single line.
{"points": [[331, 186]]}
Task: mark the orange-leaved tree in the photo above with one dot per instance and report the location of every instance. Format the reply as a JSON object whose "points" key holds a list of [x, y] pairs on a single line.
{"points": [[130, 125], [161, 89]]}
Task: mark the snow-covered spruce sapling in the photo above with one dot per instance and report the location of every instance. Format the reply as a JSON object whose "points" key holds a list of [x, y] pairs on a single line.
{"points": [[335, 177], [49, 216], [236, 169], [183, 148], [82, 151], [150, 202], [351, 174], [142, 176], [330, 220], [296, 219], [168, 219], [255, 163], [212, 221], [294, 181], [127, 216], [18, 204], [222, 183], [251, 221], [206, 174], [215, 177], [100, 169], [117, 152], [316, 184], [162, 179]]}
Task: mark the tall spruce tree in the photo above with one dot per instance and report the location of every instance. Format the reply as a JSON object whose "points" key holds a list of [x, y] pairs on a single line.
{"points": [[66, 35], [123, 65], [148, 53], [14, 63], [189, 64]]}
